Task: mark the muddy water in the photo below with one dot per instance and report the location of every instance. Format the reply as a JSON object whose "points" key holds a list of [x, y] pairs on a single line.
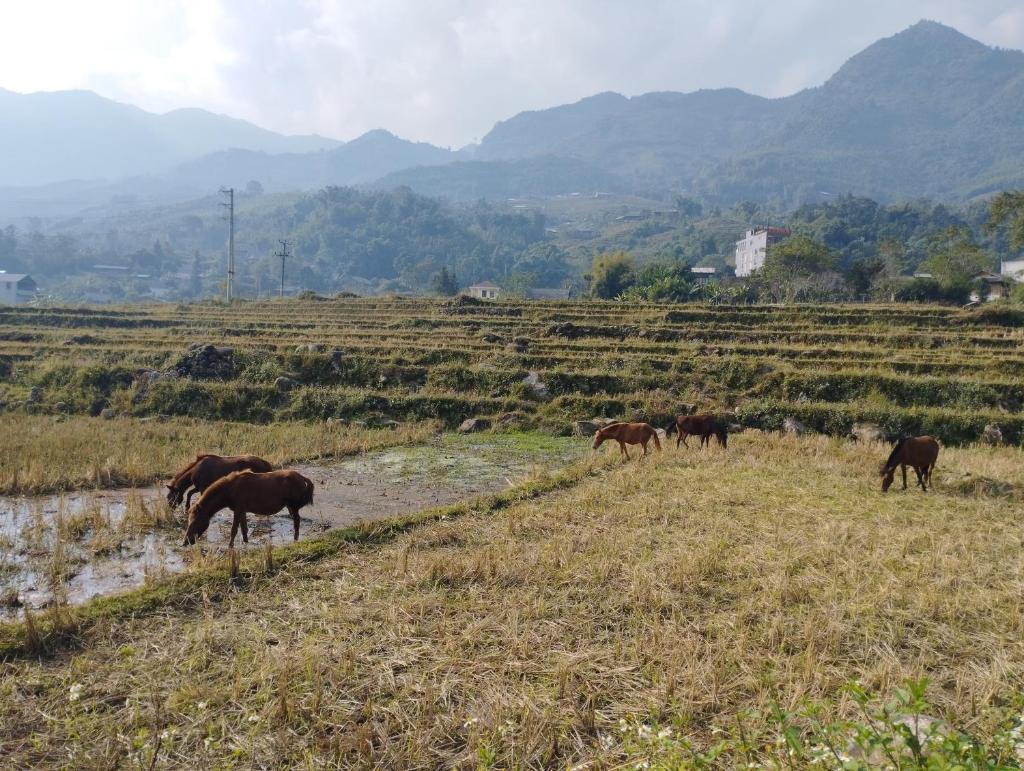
{"points": [[75, 546]]}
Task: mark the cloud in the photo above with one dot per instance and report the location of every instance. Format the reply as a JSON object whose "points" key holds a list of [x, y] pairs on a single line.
{"points": [[446, 70]]}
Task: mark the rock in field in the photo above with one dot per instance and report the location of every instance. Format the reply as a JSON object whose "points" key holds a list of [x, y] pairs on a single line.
{"points": [[107, 413], [35, 395], [992, 434], [867, 432], [469, 425], [793, 427], [309, 348], [585, 428], [203, 361], [284, 384], [537, 386]]}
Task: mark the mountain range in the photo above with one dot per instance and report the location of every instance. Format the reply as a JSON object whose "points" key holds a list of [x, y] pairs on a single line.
{"points": [[927, 112]]}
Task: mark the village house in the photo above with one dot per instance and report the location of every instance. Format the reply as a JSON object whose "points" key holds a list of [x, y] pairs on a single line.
{"points": [[702, 275], [485, 290], [752, 249], [546, 293], [16, 288]]}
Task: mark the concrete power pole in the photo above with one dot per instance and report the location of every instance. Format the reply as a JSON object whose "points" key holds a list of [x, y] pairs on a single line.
{"points": [[230, 204], [283, 254]]}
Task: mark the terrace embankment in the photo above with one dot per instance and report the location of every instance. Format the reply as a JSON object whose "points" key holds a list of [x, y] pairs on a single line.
{"points": [[944, 371]]}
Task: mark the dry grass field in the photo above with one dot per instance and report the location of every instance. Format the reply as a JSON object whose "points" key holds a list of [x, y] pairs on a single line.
{"points": [[763, 606], [628, 619]]}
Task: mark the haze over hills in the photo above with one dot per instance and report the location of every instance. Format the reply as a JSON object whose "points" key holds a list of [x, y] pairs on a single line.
{"points": [[63, 135], [927, 112]]}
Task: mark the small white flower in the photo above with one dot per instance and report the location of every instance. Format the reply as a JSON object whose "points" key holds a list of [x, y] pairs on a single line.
{"points": [[75, 692], [470, 722], [644, 732], [607, 741], [623, 727], [166, 734], [207, 742], [200, 705], [254, 718]]}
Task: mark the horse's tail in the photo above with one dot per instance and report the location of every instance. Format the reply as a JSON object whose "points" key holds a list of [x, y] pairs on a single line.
{"points": [[657, 442], [307, 492]]}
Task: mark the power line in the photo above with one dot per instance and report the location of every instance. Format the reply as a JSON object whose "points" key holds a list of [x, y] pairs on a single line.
{"points": [[230, 204], [283, 253]]}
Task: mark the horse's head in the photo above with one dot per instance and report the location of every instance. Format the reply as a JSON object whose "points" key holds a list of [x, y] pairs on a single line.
{"points": [[174, 496], [599, 437], [887, 474], [198, 522]]}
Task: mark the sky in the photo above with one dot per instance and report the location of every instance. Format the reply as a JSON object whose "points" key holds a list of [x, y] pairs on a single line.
{"points": [[444, 71]]}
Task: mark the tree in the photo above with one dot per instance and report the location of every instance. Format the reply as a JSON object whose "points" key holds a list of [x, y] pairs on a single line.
{"points": [[611, 274], [444, 283], [863, 274], [662, 282], [1008, 209], [798, 256], [954, 259], [254, 187]]}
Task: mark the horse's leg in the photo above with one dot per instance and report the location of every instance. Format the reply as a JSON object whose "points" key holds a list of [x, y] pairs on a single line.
{"points": [[188, 498], [234, 529], [679, 438], [684, 441], [295, 520], [921, 476], [622, 446], [245, 527], [645, 446], [903, 468]]}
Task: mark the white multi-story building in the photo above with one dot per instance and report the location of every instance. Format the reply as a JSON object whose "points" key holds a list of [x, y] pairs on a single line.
{"points": [[752, 249], [1012, 269], [16, 288]]}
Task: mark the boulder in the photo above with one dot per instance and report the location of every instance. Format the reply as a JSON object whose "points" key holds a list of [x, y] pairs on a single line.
{"points": [[284, 384], [536, 386], [107, 413], [490, 337], [992, 434], [35, 395], [82, 340], [469, 425], [335, 422], [203, 361], [511, 418], [793, 427], [867, 432], [602, 422], [310, 348], [337, 360], [516, 348], [585, 428]]}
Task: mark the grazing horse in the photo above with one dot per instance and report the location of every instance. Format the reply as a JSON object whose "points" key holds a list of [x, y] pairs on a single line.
{"points": [[918, 452], [703, 426], [627, 433], [246, 492], [207, 469]]}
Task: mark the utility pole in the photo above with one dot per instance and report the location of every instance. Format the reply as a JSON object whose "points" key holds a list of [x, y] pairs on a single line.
{"points": [[283, 254], [230, 204]]}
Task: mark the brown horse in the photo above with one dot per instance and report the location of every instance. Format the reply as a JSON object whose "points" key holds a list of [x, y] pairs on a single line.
{"points": [[207, 469], [627, 433], [703, 426], [918, 452], [245, 492]]}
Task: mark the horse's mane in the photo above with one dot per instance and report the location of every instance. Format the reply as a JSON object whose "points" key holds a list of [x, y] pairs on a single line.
{"points": [[895, 451], [180, 477]]}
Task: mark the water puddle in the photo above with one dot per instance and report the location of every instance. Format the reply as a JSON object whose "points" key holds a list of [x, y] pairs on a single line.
{"points": [[74, 546]]}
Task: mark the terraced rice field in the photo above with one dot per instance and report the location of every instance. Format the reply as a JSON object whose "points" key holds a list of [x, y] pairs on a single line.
{"points": [[943, 371], [694, 609]]}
